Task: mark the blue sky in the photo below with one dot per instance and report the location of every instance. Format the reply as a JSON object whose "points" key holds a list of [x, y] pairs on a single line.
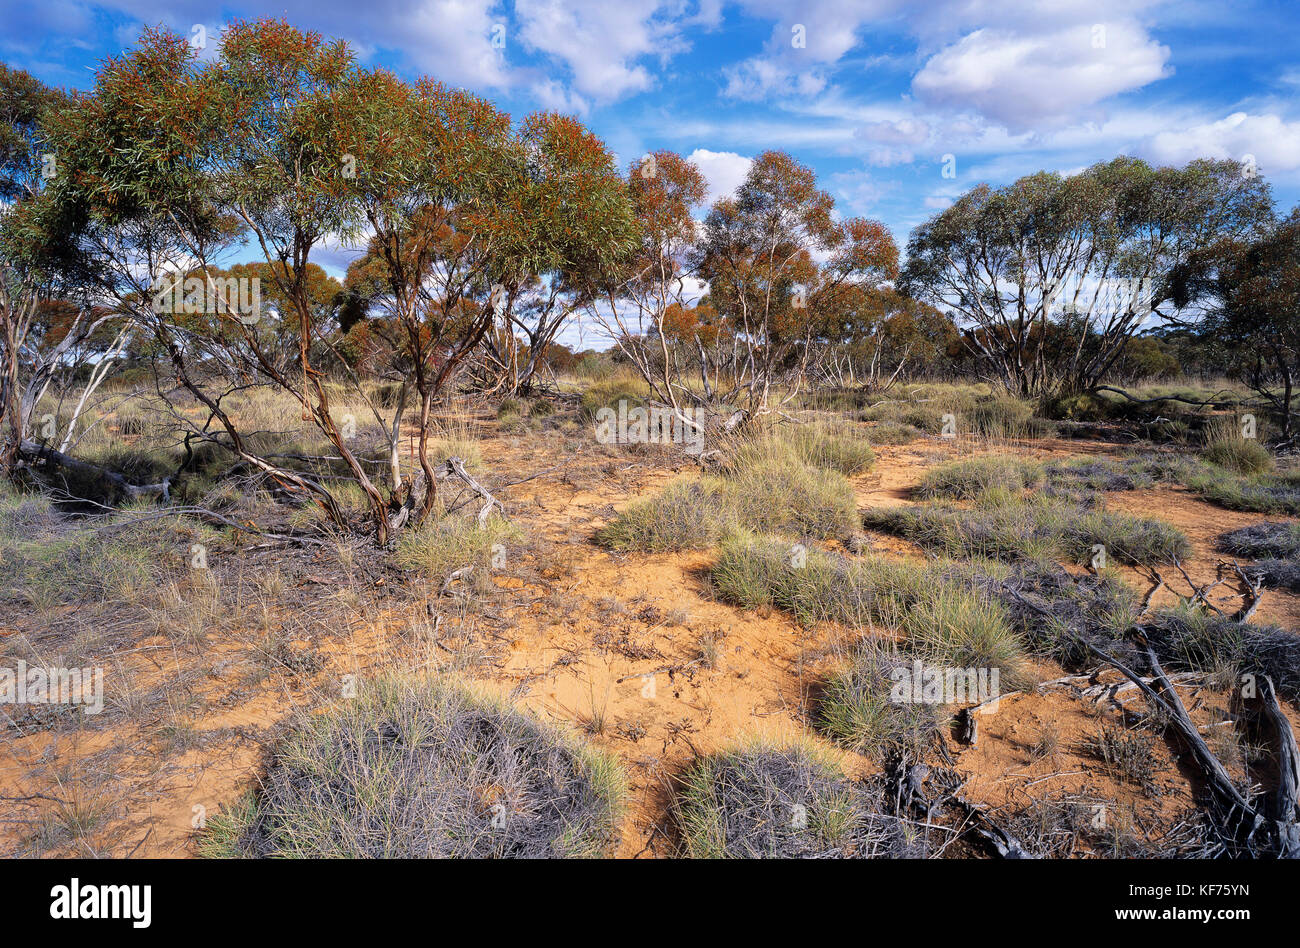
{"points": [[871, 94]]}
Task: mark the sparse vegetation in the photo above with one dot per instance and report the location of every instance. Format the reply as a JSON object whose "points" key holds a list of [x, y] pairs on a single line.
{"points": [[771, 492], [1191, 638], [859, 706], [424, 768], [1034, 527], [969, 479], [455, 542], [375, 543], [767, 802]]}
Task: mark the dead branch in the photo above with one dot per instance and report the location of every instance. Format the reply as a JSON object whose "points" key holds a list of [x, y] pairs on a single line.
{"points": [[1283, 807], [1228, 799], [39, 454], [1251, 593], [455, 467]]}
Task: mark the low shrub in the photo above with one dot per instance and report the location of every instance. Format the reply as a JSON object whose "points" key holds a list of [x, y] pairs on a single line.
{"points": [[829, 446], [970, 478], [789, 497], [957, 628], [1189, 638], [1267, 493], [1263, 540], [425, 768], [123, 557], [768, 802], [1276, 573], [1058, 615], [832, 447], [608, 392], [858, 708]]}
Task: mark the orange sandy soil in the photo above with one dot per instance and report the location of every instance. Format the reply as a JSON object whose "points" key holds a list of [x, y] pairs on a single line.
{"points": [[572, 631]]}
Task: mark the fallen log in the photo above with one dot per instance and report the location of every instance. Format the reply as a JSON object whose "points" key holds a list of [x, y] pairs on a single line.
{"points": [[40, 455], [1231, 810], [909, 793], [1283, 804]]}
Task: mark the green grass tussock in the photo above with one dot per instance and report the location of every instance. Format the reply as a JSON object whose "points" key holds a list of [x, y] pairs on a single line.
{"points": [[976, 476], [1034, 527], [771, 491], [857, 706], [447, 543]]}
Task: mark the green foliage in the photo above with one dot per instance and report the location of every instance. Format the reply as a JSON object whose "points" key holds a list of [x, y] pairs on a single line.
{"points": [[1033, 527], [1112, 220], [893, 432], [857, 706], [957, 628], [971, 478]]}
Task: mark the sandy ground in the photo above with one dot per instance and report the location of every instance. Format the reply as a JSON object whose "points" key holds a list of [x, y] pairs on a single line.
{"points": [[632, 651]]}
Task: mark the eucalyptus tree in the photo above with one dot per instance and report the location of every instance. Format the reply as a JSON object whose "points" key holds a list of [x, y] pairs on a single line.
{"points": [[579, 230], [777, 261], [645, 300], [476, 226], [139, 201], [37, 328], [1089, 259], [1259, 314]]}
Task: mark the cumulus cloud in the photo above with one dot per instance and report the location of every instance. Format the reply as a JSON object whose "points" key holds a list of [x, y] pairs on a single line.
{"points": [[806, 40], [724, 170], [601, 43], [857, 191], [759, 78], [893, 142], [1020, 80], [450, 40], [1273, 142], [552, 95]]}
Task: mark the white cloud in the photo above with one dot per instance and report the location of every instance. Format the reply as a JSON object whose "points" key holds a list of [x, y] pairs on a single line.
{"points": [[806, 40], [1273, 142], [760, 78], [553, 96], [1021, 80], [894, 141], [724, 170], [857, 191], [905, 131], [601, 41], [450, 40]]}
